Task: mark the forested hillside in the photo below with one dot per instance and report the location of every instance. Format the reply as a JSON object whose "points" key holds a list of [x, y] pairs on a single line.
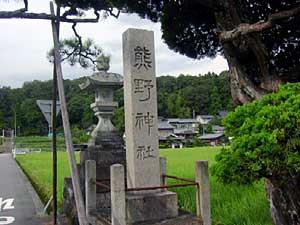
{"points": [[177, 97]]}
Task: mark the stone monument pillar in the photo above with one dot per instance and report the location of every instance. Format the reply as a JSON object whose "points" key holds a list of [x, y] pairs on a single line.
{"points": [[142, 149], [140, 102]]}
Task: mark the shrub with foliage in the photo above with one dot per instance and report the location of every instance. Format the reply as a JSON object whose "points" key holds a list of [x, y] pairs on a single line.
{"points": [[198, 143], [266, 139], [79, 136]]}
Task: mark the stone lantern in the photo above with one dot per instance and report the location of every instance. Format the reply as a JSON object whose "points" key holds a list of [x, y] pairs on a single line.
{"points": [[105, 146], [104, 84]]}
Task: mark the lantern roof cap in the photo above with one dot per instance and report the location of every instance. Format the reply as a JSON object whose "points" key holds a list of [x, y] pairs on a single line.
{"points": [[102, 79]]}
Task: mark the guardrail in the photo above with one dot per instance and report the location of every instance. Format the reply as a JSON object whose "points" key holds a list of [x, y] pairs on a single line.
{"points": [[118, 189]]}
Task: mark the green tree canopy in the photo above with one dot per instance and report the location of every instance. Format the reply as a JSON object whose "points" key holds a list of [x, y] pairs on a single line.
{"points": [[266, 139], [85, 53], [258, 38], [174, 100], [216, 103]]}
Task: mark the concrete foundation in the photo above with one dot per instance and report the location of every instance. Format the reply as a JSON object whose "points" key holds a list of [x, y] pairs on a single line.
{"points": [[154, 206]]}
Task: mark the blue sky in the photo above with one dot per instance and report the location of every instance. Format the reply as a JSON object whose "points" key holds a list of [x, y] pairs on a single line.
{"points": [[24, 44]]}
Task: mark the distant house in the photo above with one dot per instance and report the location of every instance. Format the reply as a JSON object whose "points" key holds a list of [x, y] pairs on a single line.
{"points": [[218, 129], [177, 131], [204, 119], [213, 139], [175, 141], [164, 128], [186, 134], [166, 134], [184, 128], [188, 124]]}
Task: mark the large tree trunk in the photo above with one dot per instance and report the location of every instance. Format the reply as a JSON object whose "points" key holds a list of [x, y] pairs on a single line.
{"points": [[284, 198], [251, 78], [247, 57], [246, 80]]}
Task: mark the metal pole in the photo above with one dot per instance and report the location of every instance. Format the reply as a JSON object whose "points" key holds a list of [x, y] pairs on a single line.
{"points": [[47, 205], [68, 136], [15, 123]]}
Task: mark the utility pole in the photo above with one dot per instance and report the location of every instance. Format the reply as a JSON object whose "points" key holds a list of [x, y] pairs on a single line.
{"points": [[66, 124], [15, 123], [53, 124]]}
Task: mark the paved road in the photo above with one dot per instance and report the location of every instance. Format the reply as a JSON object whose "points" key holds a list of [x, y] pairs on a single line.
{"points": [[19, 204]]}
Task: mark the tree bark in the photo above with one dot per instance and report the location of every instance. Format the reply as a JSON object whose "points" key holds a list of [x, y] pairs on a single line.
{"points": [[247, 56], [246, 28], [251, 78], [284, 198], [21, 14]]}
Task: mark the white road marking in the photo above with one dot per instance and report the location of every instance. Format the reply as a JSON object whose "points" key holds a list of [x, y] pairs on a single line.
{"points": [[4, 205], [6, 220]]}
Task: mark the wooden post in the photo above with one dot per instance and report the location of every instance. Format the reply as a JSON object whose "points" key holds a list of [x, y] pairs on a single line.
{"points": [[68, 137], [54, 149], [203, 193], [53, 125]]}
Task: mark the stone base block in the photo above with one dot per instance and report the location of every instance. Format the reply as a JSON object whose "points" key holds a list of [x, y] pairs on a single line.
{"points": [[154, 206], [69, 205]]}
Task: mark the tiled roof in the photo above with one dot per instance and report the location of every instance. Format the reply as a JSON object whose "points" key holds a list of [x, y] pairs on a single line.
{"points": [[206, 116], [211, 136], [184, 131], [216, 127], [161, 138], [177, 120], [164, 125]]}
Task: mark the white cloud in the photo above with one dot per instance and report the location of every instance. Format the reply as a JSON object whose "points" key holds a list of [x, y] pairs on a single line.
{"points": [[24, 44]]}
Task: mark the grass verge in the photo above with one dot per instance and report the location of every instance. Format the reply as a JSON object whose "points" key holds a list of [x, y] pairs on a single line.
{"points": [[38, 168], [231, 204]]}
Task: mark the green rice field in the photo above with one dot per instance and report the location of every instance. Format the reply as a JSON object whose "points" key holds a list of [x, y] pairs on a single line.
{"points": [[40, 143], [230, 204]]}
